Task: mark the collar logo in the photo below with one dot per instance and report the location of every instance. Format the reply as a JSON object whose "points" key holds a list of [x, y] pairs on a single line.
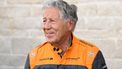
{"points": [[73, 58], [91, 54], [48, 58], [33, 54]]}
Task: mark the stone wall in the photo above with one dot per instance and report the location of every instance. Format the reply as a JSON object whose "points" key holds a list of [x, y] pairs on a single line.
{"points": [[100, 22]]}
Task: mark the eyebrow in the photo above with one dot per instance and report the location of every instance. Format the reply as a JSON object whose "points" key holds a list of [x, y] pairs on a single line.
{"points": [[50, 18], [44, 17]]}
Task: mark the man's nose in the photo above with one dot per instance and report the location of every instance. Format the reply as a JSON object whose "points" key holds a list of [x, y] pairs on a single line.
{"points": [[47, 25]]}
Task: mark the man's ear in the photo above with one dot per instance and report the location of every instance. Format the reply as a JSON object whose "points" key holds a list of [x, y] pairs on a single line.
{"points": [[70, 25]]}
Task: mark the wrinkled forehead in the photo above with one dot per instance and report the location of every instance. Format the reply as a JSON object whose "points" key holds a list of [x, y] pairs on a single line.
{"points": [[51, 12]]}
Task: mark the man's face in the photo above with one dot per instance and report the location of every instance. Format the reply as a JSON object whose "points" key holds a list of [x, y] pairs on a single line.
{"points": [[55, 28]]}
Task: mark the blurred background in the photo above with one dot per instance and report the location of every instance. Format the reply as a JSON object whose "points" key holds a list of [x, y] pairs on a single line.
{"points": [[100, 22]]}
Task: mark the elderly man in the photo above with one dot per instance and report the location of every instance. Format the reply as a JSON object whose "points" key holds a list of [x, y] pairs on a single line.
{"points": [[63, 50]]}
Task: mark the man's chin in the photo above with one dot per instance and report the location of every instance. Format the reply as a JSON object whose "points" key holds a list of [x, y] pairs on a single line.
{"points": [[51, 41]]}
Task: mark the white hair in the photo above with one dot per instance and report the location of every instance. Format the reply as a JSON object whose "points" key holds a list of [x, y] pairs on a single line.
{"points": [[67, 11]]}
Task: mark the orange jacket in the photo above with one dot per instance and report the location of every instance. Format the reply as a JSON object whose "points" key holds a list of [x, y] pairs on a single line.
{"points": [[81, 55]]}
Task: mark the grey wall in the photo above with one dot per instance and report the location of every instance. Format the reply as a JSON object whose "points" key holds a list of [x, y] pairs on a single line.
{"points": [[100, 22]]}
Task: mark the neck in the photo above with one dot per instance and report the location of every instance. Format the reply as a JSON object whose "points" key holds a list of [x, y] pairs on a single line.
{"points": [[64, 43]]}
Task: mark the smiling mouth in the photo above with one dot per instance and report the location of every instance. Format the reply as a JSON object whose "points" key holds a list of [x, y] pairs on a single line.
{"points": [[49, 35]]}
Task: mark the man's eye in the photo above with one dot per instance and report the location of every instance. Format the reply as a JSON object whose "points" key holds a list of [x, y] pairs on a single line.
{"points": [[44, 20], [51, 20]]}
